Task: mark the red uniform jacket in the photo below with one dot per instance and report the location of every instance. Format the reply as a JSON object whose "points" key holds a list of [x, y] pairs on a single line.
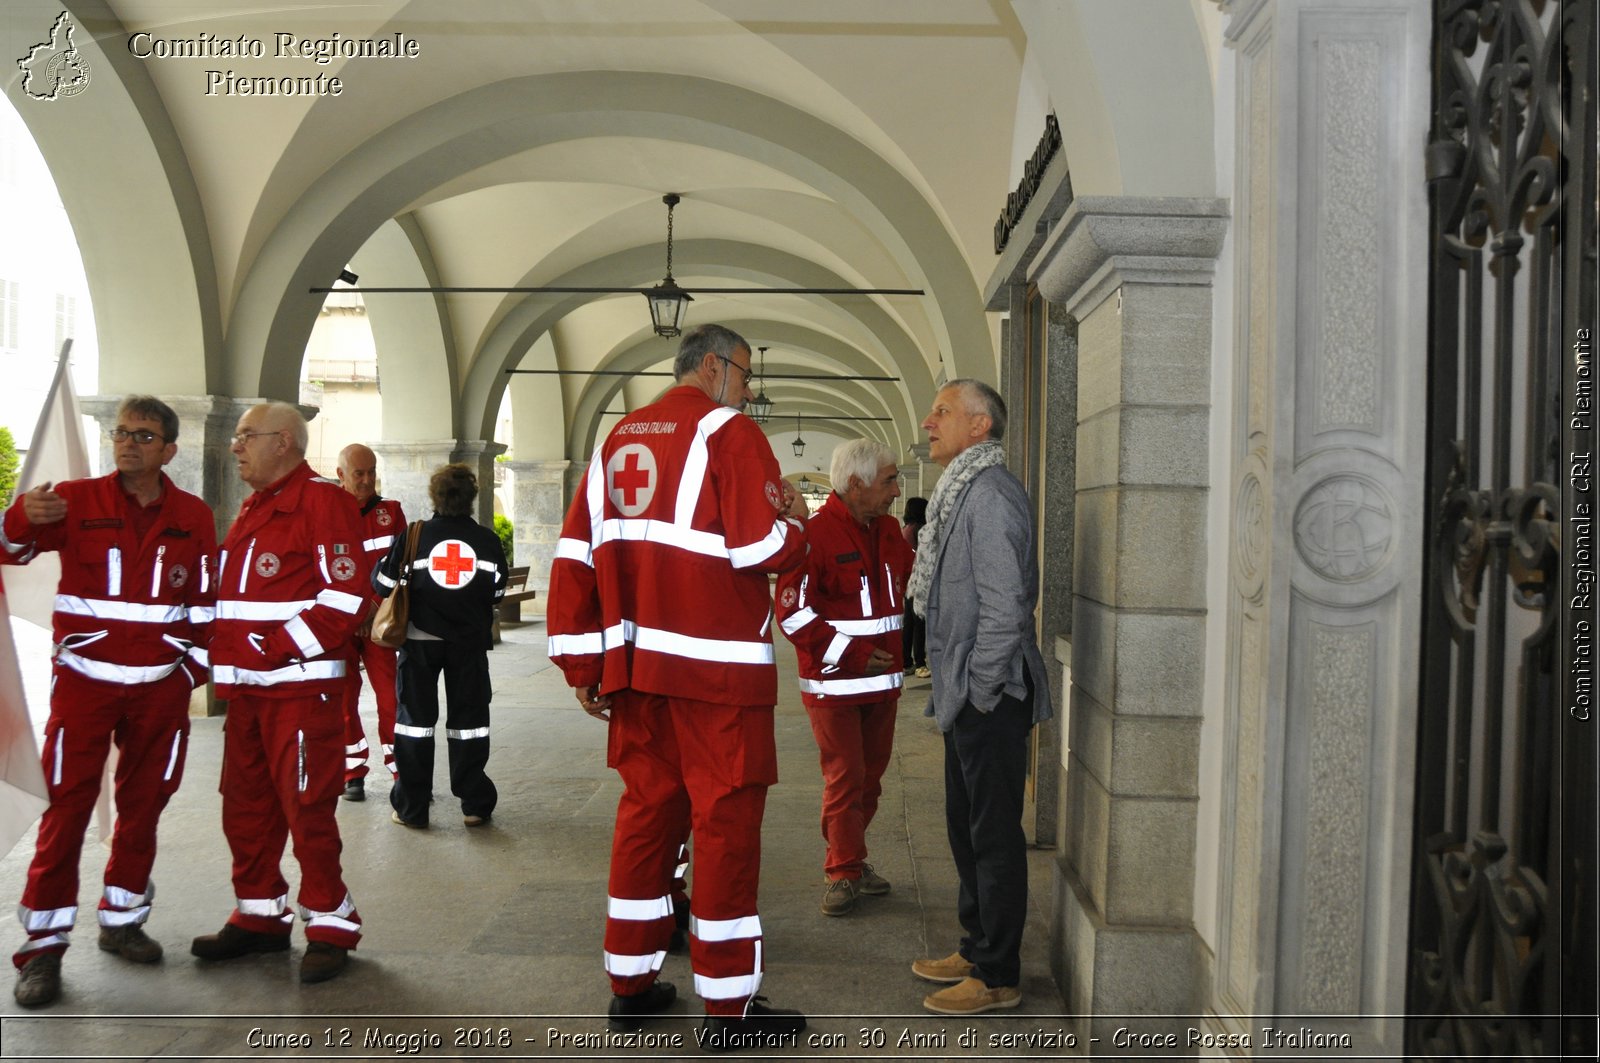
{"points": [[128, 610], [660, 578], [382, 521], [845, 602], [291, 590]]}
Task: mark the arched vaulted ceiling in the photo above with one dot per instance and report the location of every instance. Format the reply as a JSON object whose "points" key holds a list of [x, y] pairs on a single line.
{"points": [[837, 143]]}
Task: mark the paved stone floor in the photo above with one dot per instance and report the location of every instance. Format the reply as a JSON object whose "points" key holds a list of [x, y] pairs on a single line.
{"points": [[485, 944]]}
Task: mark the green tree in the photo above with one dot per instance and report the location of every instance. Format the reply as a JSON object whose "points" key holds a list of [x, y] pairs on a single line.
{"points": [[8, 466], [502, 528]]}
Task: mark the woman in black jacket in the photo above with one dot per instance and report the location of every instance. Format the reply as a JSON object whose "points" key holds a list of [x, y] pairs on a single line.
{"points": [[456, 580]]}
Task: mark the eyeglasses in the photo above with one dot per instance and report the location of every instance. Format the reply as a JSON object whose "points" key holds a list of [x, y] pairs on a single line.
{"points": [[241, 438], [748, 375], [142, 435]]}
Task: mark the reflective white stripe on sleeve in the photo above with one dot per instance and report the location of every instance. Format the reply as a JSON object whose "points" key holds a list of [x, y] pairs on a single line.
{"points": [[304, 637], [345, 603], [861, 685], [382, 542], [748, 926], [736, 987], [72, 605], [588, 642], [467, 733], [105, 672], [755, 553], [575, 550], [633, 966], [486, 566], [639, 911], [200, 656], [234, 609], [880, 626], [201, 614], [386, 581], [9, 546], [294, 673], [413, 732], [836, 648], [795, 621]]}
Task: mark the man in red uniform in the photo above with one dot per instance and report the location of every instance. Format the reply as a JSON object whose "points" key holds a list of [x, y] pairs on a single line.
{"points": [[131, 611], [291, 590], [842, 610], [381, 520], [660, 617]]}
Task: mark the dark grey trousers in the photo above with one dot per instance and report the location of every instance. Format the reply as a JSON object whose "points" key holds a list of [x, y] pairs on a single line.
{"points": [[985, 769]]}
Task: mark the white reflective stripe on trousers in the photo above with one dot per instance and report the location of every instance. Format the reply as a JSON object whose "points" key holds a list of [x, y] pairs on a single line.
{"points": [[637, 910]]}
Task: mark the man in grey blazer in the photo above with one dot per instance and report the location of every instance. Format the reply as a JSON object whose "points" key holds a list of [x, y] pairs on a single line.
{"points": [[977, 583]]}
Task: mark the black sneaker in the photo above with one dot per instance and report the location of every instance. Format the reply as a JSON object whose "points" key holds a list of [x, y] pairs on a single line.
{"points": [[355, 790], [627, 1014], [761, 1026]]}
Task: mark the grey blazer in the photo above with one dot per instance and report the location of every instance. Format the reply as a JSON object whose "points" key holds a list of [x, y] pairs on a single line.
{"points": [[980, 607]]}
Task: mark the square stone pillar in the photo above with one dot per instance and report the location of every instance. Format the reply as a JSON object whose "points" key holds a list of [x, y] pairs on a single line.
{"points": [[404, 470], [537, 514], [480, 454], [1136, 276]]}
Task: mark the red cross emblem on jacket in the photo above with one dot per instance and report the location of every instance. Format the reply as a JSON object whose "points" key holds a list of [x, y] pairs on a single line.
{"points": [[451, 563]]}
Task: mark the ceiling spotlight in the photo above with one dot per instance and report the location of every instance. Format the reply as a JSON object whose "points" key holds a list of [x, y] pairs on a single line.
{"points": [[760, 407], [668, 301]]}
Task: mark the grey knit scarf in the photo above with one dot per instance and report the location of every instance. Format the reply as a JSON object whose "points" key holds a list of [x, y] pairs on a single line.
{"points": [[930, 541]]}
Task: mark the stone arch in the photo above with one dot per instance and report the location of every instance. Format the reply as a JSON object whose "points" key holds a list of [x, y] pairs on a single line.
{"points": [[1133, 90], [414, 340], [380, 177], [151, 274]]}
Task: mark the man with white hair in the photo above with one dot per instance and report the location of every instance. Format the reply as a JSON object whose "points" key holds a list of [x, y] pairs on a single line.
{"points": [[291, 590], [842, 610], [977, 582]]}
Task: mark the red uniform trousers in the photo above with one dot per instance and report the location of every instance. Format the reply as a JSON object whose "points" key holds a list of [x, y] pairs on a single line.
{"points": [[150, 725], [282, 771], [380, 665], [854, 741], [688, 765]]}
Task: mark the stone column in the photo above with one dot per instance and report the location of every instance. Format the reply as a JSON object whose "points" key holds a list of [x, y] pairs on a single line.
{"points": [[404, 470], [912, 475], [480, 454], [1136, 275], [1326, 462], [537, 515]]}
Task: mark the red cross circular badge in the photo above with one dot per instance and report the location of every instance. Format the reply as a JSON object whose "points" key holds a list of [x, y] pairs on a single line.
{"points": [[451, 564], [177, 575], [343, 568], [774, 496], [268, 565], [788, 598], [383, 518], [631, 479]]}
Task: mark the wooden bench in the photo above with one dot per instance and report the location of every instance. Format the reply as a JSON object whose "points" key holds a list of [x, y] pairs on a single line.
{"points": [[517, 592]]}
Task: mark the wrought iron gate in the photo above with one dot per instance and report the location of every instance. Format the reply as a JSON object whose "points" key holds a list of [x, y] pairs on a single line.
{"points": [[1504, 859]]}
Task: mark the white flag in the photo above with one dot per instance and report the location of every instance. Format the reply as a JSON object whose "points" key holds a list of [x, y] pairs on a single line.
{"points": [[57, 452], [23, 796]]}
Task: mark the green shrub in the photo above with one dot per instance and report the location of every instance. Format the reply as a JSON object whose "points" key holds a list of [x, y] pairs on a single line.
{"points": [[8, 466], [502, 528]]}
